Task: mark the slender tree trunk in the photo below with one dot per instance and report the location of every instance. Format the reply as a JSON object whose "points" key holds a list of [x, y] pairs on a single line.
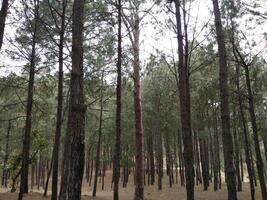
{"points": [[237, 150], [225, 113], [265, 146], [91, 170], [216, 151], [5, 171], [237, 162], [97, 161], [117, 151], [252, 165], [181, 160], [28, 123], [103, 170], [197, 159], [56, 147], [77, 108], [204, 163], [259, 161], [241, 163], [48, 178], [151, 159], [211, 157], [3, 14], [184, 91], [159, 148], [139, 166], [65, 168], [32, 175]]}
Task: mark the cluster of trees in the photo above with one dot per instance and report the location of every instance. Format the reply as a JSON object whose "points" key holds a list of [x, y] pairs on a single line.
{"points": [[201, 116]]}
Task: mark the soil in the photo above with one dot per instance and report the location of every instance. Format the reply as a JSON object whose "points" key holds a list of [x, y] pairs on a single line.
{"points": [[151, 192]]}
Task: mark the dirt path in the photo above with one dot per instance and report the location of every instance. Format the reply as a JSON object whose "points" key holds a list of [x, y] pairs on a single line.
{"points": [[151, 193]]}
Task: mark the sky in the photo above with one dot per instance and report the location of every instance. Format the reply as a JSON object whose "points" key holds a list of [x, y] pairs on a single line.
{"points": [[153, 36]]}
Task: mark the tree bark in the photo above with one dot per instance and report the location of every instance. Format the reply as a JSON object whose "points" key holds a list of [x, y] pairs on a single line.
{"points": [[56, 147], [237, 162], [117, 151], [5, 171], [139, 165], [184, 91], [216, 150], [151, 159], [204, 163], [77, 107], [259, 161], [3, 14], [28, 123], [97, 161], [225, 113], [48, 178], [159, 148]]}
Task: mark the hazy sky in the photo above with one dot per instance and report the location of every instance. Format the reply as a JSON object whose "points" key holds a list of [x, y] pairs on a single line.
{"points": [[153, 36]]}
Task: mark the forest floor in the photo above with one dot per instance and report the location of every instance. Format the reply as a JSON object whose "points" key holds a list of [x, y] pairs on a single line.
{"points": [[151, 192]]}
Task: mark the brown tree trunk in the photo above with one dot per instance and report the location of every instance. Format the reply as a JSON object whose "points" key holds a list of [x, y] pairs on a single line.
{"points": [[48, 178], [151, 159], [225, 114], [216, 150], [139, 166], [103, 170], [204, 163], [32, 175], [91, 170], [241, 163], [5, 171], [265, 146], [252, 165], [197, 159], [159, 148], [184, 91], [237, 150], [259, 161], [237, 162], [77, 108], [3, 14], [117, 151], [28, 123], [97, 161], [56, 147]]}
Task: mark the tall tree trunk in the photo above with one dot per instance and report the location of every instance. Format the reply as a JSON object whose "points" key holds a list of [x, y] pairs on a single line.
{"points": [[151, 159], [56, 147], [204, 163], [97, 161], [117, 151], [216, 150], [48, 177], [3, 14], [181, 160], [264, 138], [5, 171], [159, 148], [65, 168], [197, 159], [77, 108], [252, 165], [139, 166], [28, 123], [225, 114], [237, 162], [184, 91], [91, 170], [259, 161]]}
